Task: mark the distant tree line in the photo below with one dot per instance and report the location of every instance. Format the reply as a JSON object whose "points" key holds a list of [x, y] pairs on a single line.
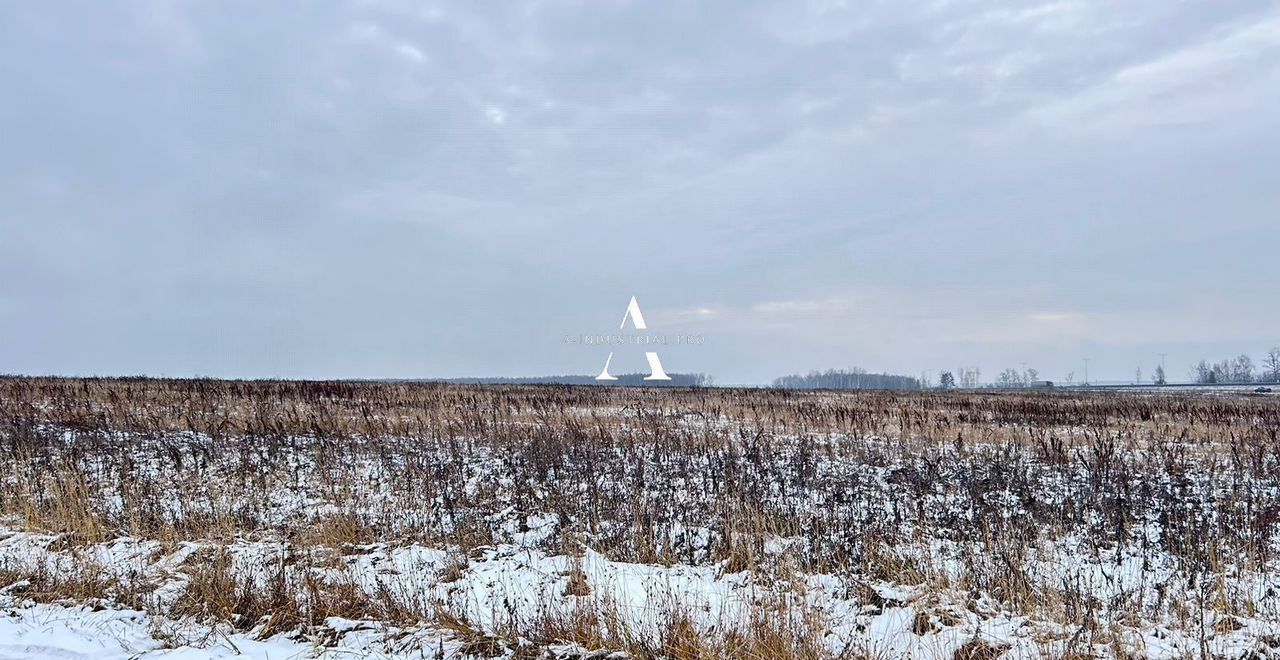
{"points": [[1014, 378], [847, 379], [971, 377], [1241, 369], [631, 380]]}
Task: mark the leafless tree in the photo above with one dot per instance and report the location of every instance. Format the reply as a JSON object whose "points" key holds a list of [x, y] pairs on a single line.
{"points": [[1011, 378], [1271, 365], [1242, 369], [1222, 371]]}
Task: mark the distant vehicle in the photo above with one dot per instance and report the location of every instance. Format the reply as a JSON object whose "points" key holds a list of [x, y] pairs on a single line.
{"points": [[1040, 384], [1262, 390]]}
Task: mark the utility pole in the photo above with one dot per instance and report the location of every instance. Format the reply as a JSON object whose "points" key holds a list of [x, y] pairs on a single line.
{"points": [[1086, 371], [1162, 369]]}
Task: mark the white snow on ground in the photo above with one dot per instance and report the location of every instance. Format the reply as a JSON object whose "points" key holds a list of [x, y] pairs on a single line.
{"points": [[57, 632], [518, 581], [72, 633], [1142, 594]]}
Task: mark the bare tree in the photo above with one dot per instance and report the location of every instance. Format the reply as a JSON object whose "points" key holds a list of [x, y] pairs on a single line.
{"points": [[1242, 369], [1222, 371], [1011, 378], [1271, 365], [1159, 378]]}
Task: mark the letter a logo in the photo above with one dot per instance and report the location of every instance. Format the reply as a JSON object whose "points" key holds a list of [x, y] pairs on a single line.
{"points": [[633, 310], [655, 365]]}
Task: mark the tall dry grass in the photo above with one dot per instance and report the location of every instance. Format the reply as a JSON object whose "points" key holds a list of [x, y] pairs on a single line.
{"points": [[861, 482]]}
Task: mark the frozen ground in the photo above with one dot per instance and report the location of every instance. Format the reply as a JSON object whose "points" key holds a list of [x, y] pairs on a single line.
{"points": [[503, 585], [525, 522]]}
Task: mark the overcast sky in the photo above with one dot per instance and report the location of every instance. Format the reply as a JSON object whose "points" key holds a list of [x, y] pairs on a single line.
{"points": [[409, 189]]}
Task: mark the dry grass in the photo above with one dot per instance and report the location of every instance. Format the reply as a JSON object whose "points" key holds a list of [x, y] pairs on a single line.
{"points": [[81, 582], [651, 476]]}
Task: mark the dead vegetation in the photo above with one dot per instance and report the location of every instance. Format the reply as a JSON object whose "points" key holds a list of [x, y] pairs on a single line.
{"points": [[867, 484]]}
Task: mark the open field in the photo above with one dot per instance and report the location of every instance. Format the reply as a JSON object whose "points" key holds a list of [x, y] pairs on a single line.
{"points": [[334, 519]]}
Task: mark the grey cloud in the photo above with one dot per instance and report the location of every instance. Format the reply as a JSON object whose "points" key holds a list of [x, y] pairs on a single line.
{"points": [[383, 188]]}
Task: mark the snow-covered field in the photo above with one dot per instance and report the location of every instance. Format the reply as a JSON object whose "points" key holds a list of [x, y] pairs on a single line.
{"points": [[203, 519], [512, 586]]}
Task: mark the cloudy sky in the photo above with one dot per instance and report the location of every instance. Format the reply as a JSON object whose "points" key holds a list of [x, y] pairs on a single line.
{"points": [[409, 189]]}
